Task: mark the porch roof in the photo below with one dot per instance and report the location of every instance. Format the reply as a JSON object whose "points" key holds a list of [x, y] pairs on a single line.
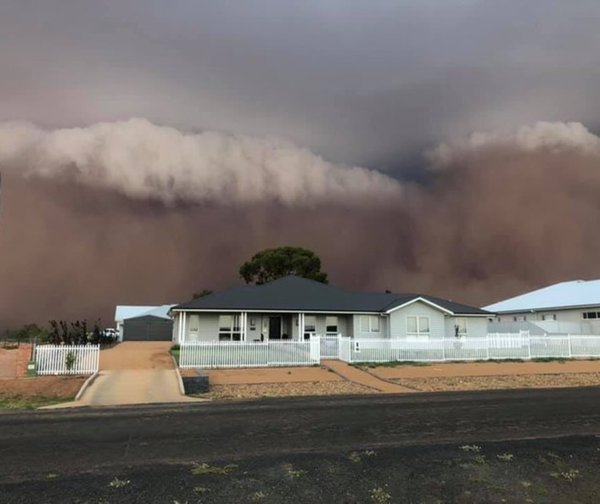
{"points": [[294, 293]]}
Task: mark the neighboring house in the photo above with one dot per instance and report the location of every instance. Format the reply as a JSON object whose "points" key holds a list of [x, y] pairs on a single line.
{"points": [[294, 308], [144, 323], [567, 307]]}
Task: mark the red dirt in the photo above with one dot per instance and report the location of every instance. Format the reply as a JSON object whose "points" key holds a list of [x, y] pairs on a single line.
{"points": [[46, 386]]}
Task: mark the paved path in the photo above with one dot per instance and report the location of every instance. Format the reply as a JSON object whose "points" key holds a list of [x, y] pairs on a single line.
{"points": [[133, 373], [361, 377]]}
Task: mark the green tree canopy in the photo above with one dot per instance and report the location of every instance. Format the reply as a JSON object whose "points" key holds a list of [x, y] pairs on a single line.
{"points": [[271, 264]]}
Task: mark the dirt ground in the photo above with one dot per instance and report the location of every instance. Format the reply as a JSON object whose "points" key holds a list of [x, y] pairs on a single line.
{"points": [[45, 386], [271, 375], [255, 391], [8, 363], [137, 355], [495, 368], [449, 383]]}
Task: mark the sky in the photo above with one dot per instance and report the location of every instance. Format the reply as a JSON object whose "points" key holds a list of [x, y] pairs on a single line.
{"points": [[148, 148]]}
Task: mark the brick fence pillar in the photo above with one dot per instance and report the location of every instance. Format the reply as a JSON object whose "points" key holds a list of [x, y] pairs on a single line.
{"points": [[23, 356]]}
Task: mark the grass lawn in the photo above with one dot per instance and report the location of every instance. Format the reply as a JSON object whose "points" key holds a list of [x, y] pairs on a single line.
{"points": [[30, 393], [16, 402], [175, 353]]}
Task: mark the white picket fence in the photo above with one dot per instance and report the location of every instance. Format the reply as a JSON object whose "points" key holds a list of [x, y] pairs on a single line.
{"points": [[493, 346], [236, 354], [330, 346], [53, 359]]}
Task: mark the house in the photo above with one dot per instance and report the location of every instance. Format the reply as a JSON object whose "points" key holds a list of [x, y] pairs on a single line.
{"points": [[294, 308], [564, 308], [144, 323]]}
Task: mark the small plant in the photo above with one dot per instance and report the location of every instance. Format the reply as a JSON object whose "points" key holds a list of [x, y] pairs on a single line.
{"points": [[380, 496], [70, 360], [526, 484], [471, 448], [51, 476], [479, 458], [258, 496], [294, 473], [370, 453], [505, 457], [354, 457], [204, 469], [118, 483], [200, 490], [570, 475]]}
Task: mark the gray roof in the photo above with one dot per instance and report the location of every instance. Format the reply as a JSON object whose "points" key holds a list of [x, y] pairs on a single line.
{"points": [[564, 295], [293, 293]]}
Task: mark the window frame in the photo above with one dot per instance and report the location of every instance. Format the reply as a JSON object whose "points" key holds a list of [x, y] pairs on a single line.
{"points": [[231, 332], [418, 333], [370, 326]]}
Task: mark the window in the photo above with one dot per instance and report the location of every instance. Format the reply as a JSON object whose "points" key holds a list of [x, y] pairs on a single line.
{"points": [[310, 326], [543, 317], [331, 325], [460, 327], [514, 319], [591, 315], [417, 326], [369, 323], [554, 316], [229, 328]]}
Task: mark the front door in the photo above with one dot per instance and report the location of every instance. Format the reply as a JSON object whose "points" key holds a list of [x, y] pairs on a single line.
{"points": [[274, 328]]}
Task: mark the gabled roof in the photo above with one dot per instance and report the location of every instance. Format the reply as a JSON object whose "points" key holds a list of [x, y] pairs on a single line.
{"points": [[294, 293], [124, 312], [576, 293]]}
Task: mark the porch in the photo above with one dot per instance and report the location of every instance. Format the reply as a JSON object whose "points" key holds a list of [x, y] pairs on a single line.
{"points": [[258, 327]]}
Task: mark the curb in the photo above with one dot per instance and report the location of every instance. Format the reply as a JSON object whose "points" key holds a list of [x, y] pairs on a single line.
{"points": [[179, 379], [85, 385]]}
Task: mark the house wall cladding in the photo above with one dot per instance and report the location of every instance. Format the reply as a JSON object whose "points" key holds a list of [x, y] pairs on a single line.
{"points": [[437, 326]]}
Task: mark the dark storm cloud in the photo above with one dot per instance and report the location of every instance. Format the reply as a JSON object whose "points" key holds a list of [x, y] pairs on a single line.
{"points": [[360, 83], [125, 211]]}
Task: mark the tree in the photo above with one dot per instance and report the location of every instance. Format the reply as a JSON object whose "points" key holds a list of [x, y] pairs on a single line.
{"points": [[271, 264], [202, 293]]}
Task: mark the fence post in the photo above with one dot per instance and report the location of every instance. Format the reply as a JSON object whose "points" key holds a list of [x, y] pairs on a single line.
{"points": [[569, 340], [487, 346], [529, 346], [444, 348]]}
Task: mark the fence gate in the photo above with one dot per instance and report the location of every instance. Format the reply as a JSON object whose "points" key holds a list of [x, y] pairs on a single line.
{"points": [[330, 346]]}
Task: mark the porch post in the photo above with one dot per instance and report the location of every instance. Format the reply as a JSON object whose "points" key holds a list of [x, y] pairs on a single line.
{"points": [[243, 322], [300, 326], [183, 330]]}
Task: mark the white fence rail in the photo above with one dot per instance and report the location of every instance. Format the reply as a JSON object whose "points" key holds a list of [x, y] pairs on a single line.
{"points": [[493, 346], [67, 359], [234, 354]]}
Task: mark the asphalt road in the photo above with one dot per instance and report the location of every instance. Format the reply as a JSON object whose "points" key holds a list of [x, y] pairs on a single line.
{"points": [[41, 445]]}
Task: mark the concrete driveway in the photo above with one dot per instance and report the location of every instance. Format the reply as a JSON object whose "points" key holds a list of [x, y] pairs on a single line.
{"points": [[134, 373]]}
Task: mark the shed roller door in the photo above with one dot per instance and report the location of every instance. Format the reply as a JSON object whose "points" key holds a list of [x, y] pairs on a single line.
{"points": [[147, 331]]}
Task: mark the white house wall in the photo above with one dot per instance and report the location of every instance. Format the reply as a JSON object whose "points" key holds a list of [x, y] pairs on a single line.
{"points": [[357, 330], [567, 321], [477, 327], [417, 309]]}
